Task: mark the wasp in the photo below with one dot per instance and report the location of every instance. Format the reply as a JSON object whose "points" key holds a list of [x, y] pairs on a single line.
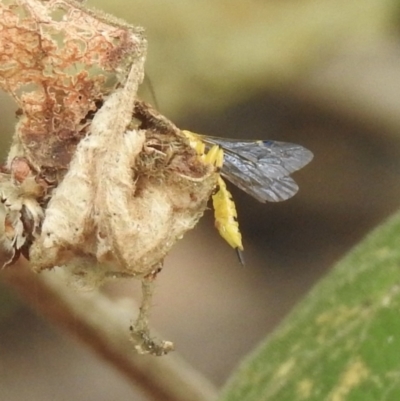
{"points": [[260, 168]]}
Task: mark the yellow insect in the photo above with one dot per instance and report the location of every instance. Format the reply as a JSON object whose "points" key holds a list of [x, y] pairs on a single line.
{"points": [[260, 168]]}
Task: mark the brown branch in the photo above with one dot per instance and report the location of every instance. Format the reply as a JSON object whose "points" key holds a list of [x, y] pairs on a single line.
{"points": [[103, 325]]}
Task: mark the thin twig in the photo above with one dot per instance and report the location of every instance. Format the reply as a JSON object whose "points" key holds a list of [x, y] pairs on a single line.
{"points": [[103, 325]]}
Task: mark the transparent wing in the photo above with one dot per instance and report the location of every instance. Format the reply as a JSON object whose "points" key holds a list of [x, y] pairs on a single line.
{"points": [[262, 168]]}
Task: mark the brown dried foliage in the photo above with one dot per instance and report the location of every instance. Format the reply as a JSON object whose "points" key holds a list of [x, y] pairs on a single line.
{"points": [[86, 186], [58, 61]]}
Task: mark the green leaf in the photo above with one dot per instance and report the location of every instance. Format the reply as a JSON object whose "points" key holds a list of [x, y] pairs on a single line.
{"points": [[343, 341]]}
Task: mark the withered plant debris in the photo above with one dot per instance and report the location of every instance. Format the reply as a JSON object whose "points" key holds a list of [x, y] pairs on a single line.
{"points": [[86, 186]]}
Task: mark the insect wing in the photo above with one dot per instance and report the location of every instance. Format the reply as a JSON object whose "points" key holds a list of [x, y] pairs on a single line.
{"points": [[262, 168]]}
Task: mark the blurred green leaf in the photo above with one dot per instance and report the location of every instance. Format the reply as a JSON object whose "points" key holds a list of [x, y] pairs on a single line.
{"points": [[208, 55], [343, 340]]}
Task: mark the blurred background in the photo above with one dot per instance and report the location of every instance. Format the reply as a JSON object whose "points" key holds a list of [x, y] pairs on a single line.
{"points": [[322, 74]]}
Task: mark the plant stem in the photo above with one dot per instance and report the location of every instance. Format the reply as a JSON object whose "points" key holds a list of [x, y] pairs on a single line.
{"points": [[103, 325]]}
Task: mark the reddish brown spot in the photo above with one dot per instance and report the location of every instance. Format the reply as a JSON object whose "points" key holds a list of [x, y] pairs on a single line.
{"points": [[65, 134], [20, 169]]}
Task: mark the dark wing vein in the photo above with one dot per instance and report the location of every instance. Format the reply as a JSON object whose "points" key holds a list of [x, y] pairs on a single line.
{"points": [[262, 168]]}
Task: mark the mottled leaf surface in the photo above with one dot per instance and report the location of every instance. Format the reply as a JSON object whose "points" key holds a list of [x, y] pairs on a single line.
{"points": [[343, 341]]}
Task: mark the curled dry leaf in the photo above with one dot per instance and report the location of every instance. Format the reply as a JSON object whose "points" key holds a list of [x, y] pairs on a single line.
{"points": [[58, 61], [20, 195], [86, 186]]}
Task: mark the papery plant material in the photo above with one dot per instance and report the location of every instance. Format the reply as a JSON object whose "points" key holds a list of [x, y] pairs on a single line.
{"points": [[58, 61], [135, 192], [19, 192], [85, 186]]}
